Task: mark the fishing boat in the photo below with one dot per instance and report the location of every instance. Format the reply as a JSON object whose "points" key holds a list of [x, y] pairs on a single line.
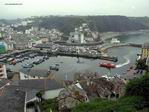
{"points": [[38, 61], [27, 65], [46, 57], [54, 67]]}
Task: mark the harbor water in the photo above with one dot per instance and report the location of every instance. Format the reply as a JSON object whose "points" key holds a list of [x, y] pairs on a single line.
{"points": [[68, 66]]}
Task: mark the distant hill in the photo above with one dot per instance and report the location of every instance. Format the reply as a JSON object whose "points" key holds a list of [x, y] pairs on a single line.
{"points": [[142, 20], [67, 24]]}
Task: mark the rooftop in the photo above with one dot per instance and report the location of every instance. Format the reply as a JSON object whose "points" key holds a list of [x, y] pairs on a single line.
{"points": [[3, 82], [39, 84], [12, 100]]}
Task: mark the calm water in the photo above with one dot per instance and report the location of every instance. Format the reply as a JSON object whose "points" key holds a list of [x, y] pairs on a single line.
{"points": [[68, 65]]}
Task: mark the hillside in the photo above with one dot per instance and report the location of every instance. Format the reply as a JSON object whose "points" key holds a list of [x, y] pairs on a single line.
{"points": [[67, 24], [142, 20]]}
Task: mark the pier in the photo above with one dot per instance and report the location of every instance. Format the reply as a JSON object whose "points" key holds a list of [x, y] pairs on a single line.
{"points": [[103, 48], [107, 46], [108, 58]]}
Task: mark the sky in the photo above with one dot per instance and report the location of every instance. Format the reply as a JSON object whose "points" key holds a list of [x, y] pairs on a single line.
{"points": [[73, 7]]}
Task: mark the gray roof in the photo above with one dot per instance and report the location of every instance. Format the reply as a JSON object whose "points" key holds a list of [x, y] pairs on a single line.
{"points": [[31, 87], [12, 100], [36, 72], [3, 82], [39, 84], [145, 46], [31, 93]]}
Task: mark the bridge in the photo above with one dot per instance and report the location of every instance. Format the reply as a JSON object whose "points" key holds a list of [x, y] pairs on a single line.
{"points": [[107, 46]]}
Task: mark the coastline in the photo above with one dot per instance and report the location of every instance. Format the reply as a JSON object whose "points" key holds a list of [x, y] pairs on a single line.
{"points": [[109, 35]]}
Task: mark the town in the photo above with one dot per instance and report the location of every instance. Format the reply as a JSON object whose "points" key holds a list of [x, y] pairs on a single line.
{"points": [[28, 84]]}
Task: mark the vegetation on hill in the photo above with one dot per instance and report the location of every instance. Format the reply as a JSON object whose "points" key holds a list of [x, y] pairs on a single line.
{"points": [[138, 87], [67, 24], [48, 105], [125, 104], [142, 20]]}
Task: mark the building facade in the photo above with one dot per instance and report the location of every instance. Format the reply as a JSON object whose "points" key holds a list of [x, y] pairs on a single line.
{"points": [[145, 51], [3, 73]]}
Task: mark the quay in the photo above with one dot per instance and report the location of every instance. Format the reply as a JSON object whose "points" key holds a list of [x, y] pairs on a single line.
{"points": [[108, 58], [46, 50], [58, 53], [79, 44], [105, 47], [14, 53]]}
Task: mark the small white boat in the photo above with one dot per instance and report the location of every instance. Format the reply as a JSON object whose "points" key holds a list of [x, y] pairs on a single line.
{"points": [[115, 41]]}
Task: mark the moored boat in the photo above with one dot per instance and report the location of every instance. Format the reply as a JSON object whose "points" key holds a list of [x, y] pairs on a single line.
{"points": [[54, 67], [27, 65]]}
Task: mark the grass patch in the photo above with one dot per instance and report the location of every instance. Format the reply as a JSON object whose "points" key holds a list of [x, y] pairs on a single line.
{"points": [[125, 104]]}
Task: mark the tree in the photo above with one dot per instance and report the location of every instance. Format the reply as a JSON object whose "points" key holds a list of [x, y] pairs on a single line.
{"points": [[141, 64], [39, 96], [138, 87]]}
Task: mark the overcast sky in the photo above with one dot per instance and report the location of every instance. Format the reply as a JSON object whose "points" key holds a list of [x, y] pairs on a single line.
{"points": [[73, 7]]}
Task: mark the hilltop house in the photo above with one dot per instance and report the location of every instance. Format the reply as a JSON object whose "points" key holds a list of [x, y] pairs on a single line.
{"points": [[98, 86], [71, 96]]}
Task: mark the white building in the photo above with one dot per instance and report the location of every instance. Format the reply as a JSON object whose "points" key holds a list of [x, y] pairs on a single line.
{"points": [[76, 36], [82, 38], [115, 41], [34, 42], [24, 23], [10, 46], [28, 31]]}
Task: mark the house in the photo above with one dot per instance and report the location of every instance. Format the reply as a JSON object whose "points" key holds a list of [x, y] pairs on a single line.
{"points": [[50, 88], [145, 50], [22, 41], [99, 86], [71, 96], [34, 42], [119, 85], [9, 44], [3, 73], [12, 100]]}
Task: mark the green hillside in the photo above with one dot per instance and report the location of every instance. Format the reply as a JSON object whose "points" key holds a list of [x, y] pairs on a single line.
{"points": [[67, 24]]}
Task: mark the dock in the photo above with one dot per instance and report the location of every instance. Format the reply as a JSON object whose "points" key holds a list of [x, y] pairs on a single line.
{"points": [[108, 58]]}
